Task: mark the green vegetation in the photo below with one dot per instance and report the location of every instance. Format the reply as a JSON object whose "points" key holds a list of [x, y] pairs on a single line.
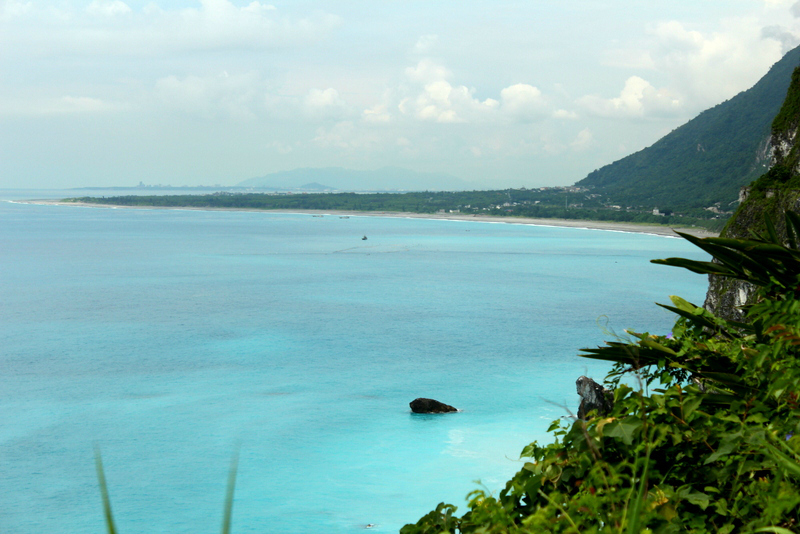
{"points": [[777, 190], [227, 511], [787, 118], [561, 203], [708, 442], [708, 159]]}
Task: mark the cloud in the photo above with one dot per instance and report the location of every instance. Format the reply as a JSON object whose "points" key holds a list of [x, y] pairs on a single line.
{"points": [[280, 147], [425, 43], [628, 59], [564, 114], [637, 99], [377, 114], [705, 69], [345, 135], [524, 103], [438, 100], [583, 140], [787, 38], [697, 69], [111, 27], [319, 104], [221, 96], [441, 102], [65, 105], [108, 8], [427, 71], [245, 97]]}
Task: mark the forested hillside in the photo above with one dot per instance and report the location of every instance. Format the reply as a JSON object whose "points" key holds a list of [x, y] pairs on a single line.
{"points": [[708, 159]]}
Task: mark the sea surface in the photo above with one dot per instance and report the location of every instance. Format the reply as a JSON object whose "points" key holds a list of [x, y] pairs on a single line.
{"points": [[170, 339]]}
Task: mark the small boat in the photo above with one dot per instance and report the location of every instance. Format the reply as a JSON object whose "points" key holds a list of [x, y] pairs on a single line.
{"points": [[364, 238]]}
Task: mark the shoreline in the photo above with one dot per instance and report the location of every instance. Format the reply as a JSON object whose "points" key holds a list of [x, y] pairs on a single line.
{"points": [[559, 223]]}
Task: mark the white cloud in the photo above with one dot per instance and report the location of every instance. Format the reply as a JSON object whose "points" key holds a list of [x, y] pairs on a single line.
{"points": [[221, 96], [319, 104], [14, 9], [524, 103], [440, 101], [564, 114], [281, 148], [377, 114], [635, 59], [108, 8], [345, 135], [583, 140], [111, 27], [427, 71], [637, 99], [707, 69], [425, 43]]}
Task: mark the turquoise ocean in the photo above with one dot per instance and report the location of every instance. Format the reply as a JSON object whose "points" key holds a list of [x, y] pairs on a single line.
{"points": [[172, 338]]}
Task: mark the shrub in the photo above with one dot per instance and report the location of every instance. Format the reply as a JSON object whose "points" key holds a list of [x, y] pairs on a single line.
{"points": [[708, 442]]}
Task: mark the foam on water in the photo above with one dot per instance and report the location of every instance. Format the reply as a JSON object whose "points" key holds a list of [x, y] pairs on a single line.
{"points": [[168, 337]]}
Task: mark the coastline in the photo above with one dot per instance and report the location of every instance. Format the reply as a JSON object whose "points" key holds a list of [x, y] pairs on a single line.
{"points": [[561, 223]]}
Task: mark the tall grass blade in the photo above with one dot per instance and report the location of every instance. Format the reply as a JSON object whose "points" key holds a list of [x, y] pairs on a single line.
{"points": [[101, 479], [227, 513], [638, 503]]}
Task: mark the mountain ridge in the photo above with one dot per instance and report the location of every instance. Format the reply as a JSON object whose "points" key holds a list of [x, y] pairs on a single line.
{"points": [[708, 159]]}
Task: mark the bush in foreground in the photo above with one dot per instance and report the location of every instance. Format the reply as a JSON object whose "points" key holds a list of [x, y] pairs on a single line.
{"points": [[709, 442]]}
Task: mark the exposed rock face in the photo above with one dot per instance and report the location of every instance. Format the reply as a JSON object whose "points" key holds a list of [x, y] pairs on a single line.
{"points": [[430, 406], [594, 397], [772, 194]]}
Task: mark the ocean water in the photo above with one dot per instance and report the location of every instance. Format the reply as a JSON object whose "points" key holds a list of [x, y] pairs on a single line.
{"points": [[172, 338]]}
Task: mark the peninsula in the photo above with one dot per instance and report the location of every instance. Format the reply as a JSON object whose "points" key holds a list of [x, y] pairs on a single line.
{"points": [[644, 228]]}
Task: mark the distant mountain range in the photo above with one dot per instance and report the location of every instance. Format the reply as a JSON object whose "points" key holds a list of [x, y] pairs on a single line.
{"points": [[708, 159], [339, 179]]}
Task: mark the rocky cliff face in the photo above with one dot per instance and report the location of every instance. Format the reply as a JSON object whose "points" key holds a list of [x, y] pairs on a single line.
{"points": [[773, 193]]}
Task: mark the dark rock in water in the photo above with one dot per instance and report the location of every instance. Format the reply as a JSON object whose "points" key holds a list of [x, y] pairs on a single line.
{"points": [[430, 406], [594, 397]]}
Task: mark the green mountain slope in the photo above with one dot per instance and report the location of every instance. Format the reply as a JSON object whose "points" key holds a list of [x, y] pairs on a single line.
{"points": [[708, 159]]}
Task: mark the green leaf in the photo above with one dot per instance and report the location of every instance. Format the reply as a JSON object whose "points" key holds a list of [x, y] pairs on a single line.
{"points": [[690, 405], [783, 460], [101, 479], [694, 497], [623, 429], [227, 512], [729, 443], [792, 228]]}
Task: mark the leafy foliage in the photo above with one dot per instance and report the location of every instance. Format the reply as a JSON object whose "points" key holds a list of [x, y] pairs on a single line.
{"points": [[714, 447]]}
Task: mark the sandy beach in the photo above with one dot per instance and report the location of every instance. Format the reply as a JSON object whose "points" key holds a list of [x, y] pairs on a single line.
{"points": [[564, 223]]}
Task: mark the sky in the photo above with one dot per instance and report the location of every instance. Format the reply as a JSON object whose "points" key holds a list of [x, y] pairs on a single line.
{"points": [[498, 93]]}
